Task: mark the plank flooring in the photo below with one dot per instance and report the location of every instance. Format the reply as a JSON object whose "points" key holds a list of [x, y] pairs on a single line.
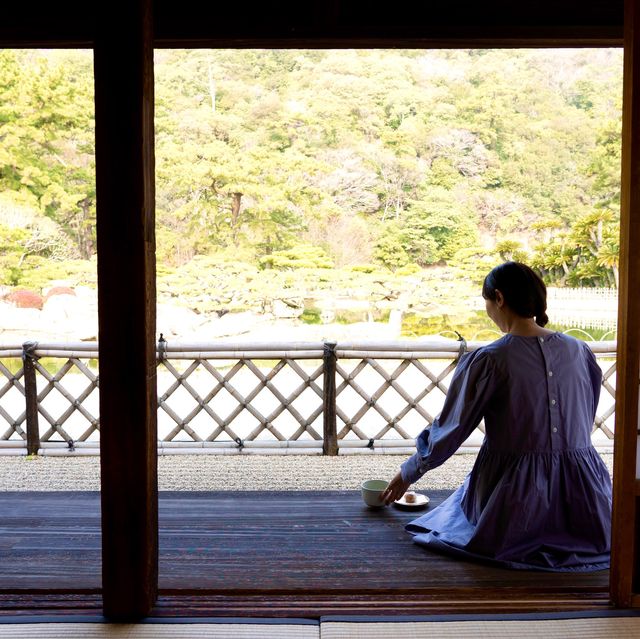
{"points": [[253, 542], [50, 540]]}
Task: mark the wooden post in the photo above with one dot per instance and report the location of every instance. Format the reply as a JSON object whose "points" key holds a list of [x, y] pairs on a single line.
{"points": [[625, 523], [31, 398], [124, 102], [330, 433]]}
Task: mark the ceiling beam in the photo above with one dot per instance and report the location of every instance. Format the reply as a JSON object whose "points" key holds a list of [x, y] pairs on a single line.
{"points": [[331, 23]]}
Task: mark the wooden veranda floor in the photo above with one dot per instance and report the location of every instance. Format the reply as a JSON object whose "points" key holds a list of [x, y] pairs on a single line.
{"points": [[263, 553]]}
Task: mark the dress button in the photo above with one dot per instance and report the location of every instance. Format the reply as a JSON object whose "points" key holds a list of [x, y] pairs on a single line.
{"points": [[555, 430], [550, 373], [541, 340], [553, 402]]}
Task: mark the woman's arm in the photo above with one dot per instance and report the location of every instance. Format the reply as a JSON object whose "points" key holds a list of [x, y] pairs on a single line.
{"points": [[471, 389]]}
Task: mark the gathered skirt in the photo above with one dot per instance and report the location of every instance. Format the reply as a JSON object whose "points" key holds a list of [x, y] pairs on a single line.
{"points": [[547, 510]]}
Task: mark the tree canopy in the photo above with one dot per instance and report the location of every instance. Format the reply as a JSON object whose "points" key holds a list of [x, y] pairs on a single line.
{"points": [[291, 159]]}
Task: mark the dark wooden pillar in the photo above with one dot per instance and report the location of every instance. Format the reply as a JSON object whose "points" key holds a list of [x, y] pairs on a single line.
{"points": [[31, 398], [329, 412], [126, 302], [626, 525]]}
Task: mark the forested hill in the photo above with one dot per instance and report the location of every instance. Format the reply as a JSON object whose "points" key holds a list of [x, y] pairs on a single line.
{"points": [[366, 159]]}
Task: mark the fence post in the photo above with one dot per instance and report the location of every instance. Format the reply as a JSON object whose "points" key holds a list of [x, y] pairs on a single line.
{"points": [[31, 397], [330, 433]]}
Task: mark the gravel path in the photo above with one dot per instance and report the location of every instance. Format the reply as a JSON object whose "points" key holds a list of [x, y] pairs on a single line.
{"points": [[222, 472]]}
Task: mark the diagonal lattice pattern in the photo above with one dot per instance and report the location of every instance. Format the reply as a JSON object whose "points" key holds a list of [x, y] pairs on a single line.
{"points": [[251, 397], [390, 380], [231, 396], [66, 402], [607, 404], [12, 403]]}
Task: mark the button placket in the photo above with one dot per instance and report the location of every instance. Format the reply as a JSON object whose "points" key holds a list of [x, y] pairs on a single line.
{"points": [[554, 413]]}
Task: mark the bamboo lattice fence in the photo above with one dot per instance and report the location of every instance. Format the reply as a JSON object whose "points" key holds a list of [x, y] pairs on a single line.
{"points": [[231, 397]]}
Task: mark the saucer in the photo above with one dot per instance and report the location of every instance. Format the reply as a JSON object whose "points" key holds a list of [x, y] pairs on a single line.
{"points": [[420, 502]]}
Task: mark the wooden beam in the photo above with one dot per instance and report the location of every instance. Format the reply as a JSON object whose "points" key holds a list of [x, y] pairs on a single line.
{"points": [[331, 24], [370, 23], [126, 302], [624, 526]]}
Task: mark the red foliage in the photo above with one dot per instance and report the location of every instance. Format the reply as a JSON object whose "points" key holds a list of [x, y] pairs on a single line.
{"points": [[25, 299], [59, 290]]}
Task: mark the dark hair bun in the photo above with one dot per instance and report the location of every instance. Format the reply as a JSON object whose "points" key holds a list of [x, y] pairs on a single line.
{"points": [[542, 319]]}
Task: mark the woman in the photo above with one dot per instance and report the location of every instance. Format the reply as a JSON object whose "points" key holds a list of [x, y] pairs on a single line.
{"points": [[539, 496]]}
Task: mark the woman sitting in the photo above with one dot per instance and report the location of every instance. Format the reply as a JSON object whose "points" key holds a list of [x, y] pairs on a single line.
{"points": [[539, 495]]}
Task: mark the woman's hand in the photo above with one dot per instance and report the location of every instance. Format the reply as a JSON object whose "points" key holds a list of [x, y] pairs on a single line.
{"points": [[396, 488]]}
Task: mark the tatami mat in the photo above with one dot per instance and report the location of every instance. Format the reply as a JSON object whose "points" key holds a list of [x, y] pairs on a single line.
{"points": [[158, 631], [590, 627], [602, 628]]}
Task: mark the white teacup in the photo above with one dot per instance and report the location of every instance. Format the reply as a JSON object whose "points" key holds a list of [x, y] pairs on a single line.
{"points": [[372, 490]]}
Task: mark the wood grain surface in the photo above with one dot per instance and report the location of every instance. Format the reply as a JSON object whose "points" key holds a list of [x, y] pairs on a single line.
{"points": [[247, 543]]}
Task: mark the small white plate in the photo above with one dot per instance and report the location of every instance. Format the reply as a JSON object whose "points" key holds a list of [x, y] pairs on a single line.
{"points": [[420, 502]]}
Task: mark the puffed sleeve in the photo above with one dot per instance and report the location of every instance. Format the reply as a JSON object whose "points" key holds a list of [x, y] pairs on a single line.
{"points": [[595, 376], [472, 386]]}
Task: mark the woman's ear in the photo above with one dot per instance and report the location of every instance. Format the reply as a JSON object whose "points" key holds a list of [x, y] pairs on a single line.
{"points": [[499, 299]]}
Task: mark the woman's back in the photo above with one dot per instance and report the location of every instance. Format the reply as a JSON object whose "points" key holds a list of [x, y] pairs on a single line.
{"points": [[545, 395]]}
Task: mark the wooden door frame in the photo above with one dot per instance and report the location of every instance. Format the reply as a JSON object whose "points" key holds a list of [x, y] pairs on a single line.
{"points": [[624, 587], [121, 32]]}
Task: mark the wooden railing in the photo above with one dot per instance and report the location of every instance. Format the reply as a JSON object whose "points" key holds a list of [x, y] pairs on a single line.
{"points": [[312, 397]]}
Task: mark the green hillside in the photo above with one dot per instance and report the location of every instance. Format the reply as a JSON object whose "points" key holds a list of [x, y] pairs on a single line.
{"points": [[379, 164]]}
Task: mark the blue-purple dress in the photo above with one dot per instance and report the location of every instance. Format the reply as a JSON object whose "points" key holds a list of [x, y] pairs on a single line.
{"points": [[539, 495]]}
